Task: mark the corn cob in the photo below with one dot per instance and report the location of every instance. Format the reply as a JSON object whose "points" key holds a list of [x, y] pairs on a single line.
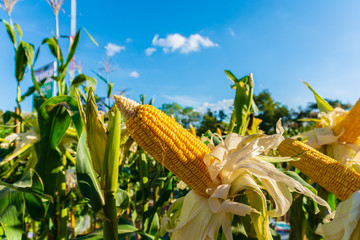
{"points": [[327, 172], [350, 124], [168, 142]]}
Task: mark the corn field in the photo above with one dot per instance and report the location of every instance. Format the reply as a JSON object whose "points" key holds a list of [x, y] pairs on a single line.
{"points": [[71, 171]]}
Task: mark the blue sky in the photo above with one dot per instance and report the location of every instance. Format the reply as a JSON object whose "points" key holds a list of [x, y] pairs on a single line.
{"points": [[177, 50]]}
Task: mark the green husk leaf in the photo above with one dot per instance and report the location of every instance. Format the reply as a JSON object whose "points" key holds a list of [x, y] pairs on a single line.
{"points": [[96, 133], [323, 105]]}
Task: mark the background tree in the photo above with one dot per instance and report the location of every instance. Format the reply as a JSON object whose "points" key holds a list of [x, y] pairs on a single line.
{"points": [[270, 111]]}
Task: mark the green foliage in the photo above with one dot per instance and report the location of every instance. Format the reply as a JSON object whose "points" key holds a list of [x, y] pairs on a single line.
{"points": [[270, 111]]}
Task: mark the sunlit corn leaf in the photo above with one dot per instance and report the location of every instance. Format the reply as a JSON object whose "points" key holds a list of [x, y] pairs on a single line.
{"points": [[109, 89], [18, 29], [101, 77], [309, 120], [11, 32], [96, 133], [73, 46], [323, 105], [332, 201], [231, 76], [54, 48], [87, 177], [36, 55], [92, 39], [12, 210], [78, 80]]}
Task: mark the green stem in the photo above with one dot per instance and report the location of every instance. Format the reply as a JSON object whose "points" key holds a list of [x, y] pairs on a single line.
{"points": [[110, 175], [110, 224], [63, 213], [18, 96]]}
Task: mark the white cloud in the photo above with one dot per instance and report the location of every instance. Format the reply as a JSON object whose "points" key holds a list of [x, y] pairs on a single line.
{"points": [[129, 40], [134, 74], [231, 32], [150, 51], [112, 49], [183, 100], [224, 104], [174, 42]]}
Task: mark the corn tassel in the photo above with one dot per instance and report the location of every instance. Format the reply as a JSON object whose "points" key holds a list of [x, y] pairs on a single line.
{"points": [[327, 172], [168, 142], [350, 124]]}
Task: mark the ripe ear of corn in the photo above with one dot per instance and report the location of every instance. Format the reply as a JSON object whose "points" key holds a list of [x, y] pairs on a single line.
{"points": [[350, 124], [168, 142], [327, 172]]}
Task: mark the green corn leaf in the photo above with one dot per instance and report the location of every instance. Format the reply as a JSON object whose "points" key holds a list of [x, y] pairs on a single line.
{"points": [[18, 29], [323, 105], [231, 76], [54, 117], [36, 85], [8, 115], [151, 102], [32, 89], [10, 31], [24, 56], [54, 48], [332, 201], [79, 80], [143, 167], [296, 177], [122, 199], [36, 55], [151, 223], [92, 39], [72, 50], [309, 120], [87, 177], [29, 52], [124, 229], [12, 209], [20, 62], [109, 89], [26, 189], [35, 207], [101, 77]]}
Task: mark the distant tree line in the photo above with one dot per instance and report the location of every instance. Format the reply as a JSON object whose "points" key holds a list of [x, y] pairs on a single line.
{"points": [[270, 111]]}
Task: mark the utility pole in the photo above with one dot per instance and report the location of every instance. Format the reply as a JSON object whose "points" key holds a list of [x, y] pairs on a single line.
{"points": [[72, 35]]}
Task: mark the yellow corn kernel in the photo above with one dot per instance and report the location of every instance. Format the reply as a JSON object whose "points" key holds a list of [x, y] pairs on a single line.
{"points": [[350, 124], [192, 130], [327, 172], [168, 142]]}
